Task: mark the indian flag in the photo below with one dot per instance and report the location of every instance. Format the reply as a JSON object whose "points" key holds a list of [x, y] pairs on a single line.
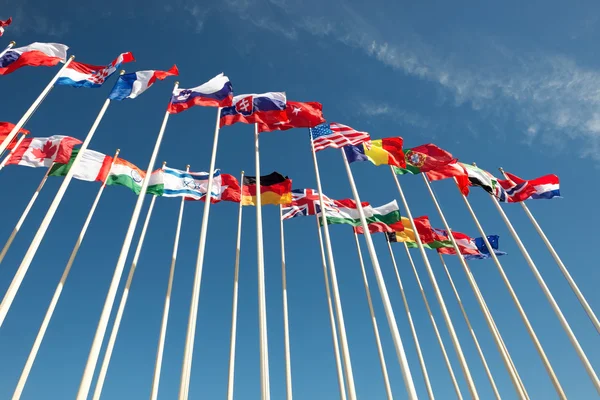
{"points": [[345, 212], [127, 174]]}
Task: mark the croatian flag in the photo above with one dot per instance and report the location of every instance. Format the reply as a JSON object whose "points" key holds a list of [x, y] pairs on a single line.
{"points": [[217, 92], [34, 55], [4, 24], [544, 187], [191, 185], [265, 108], [79, 74], [130, 86]]}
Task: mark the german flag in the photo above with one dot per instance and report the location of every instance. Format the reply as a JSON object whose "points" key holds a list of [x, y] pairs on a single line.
{"points": [[274, 189]]}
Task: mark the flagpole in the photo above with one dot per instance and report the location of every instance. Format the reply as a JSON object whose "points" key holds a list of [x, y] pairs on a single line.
{"points": [[165, 318], [334, 336], [88, 373], [39, 235], [384, 372], [23, 216], [438, 293], [52, 306], [33, 107], [286, 324], [506, 358], [186, 368], [349, 376], [412, 326], [434, 324], [530, 331], [561, 265], [563, 321], [5, 160], [10, 46], [387, 305], [234, 305]]}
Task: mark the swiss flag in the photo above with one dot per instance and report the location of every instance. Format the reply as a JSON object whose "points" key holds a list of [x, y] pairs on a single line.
{"points": [[299, 114]]}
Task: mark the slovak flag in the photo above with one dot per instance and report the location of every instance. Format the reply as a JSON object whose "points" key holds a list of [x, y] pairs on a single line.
{"points": [[130, 86], [34, 55], [4, 24], [78, 74], [266, 108], [217, 92], [517, 189], [42, 152]]}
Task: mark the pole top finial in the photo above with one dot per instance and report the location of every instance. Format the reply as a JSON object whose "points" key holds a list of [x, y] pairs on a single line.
{"points": [[122, 72], [243, 173], [118, 151], [72, 57], [12, 43], [176, 83], [164, 163], [187, 166], [474, 164], [501, 169]]}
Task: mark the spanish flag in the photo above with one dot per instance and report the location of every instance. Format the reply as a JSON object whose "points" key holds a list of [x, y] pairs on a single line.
{"points": [[274, 189]]}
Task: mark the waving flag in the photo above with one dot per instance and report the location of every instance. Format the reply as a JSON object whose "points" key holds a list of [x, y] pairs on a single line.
{"points": [[486, 181], [93, 166], [544, 187], [404, 233], [130, 86], [91, 76], [452, 170], [126, 174], [274, 189], [34, 55], [42, 152], [265, 108], [4, 24], [305, 202], [346, 212], [5, 129], [217, 92], [424, 158], [337, 136], [484, 252], [387, 151], [191, 185], [299, 115], [466, 244]]}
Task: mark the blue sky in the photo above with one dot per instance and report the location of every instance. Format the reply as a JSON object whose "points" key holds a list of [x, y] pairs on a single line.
{"points": [[508, 85]]}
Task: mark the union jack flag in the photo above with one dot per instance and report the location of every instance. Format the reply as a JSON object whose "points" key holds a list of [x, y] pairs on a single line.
{"points": [[305, 202]]}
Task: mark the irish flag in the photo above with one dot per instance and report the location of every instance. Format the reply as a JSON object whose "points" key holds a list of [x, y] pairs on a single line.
{"points": [[127, 174], [345, 212]]}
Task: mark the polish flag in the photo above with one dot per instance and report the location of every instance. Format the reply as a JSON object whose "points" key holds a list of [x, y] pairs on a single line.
{"points": [[34, 55], [42, 152]]}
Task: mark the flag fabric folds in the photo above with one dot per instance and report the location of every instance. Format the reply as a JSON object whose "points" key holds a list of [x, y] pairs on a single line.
{"points": [[424, 158], [466, 244], [78, 74], [337, 136], [191, 185], [346, 212], [544, 187], [299, 115], [93, 166], [35, 55], [265, 108], [4, 24], [217, 92], [486, 181], [305, 202], [484, 252], [274, 189], [42, 152], [404, 233], [452, 170], [130, 86], [126, 174], [386, 151], [5, 129]]}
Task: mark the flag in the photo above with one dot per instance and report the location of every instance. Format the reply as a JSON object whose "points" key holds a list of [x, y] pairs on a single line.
{"points": [[217, 92], [35, 55], [386, 151], [299, 115], [5, 129], [404, 233], [452, 170], [465, 243], [337, 136], [4, 24], [274, 189], [191, 185], [91, 76], [544, 187], [127, 174], [484, 253], [93, 166], [130, 86], [265, 108], [485, 180], [425, 158], [305, 202], [42, 152], [346, 212], [380, 219]]}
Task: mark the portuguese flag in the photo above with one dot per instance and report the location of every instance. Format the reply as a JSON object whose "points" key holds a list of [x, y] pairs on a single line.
{"points": [[274, 189], [424, 158], [127, 174]]}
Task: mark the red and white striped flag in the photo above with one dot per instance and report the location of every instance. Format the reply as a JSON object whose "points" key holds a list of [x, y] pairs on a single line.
{"points": [[337, 136]]}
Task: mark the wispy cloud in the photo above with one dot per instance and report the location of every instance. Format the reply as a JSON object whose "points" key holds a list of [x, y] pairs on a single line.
{"points": [[396, 114]]}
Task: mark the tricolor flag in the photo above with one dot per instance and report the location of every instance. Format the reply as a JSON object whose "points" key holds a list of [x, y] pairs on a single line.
{"points": [[424, 158], [34, 55], [299, 115], [337, 136], [130, 86], [4, 24], [346, 212], [78, 74], [217, 92], [265, 108], [93, 166], [404, 233], [191, 185], [42, 152], [274, 189], [127, 174], [387, 151], [5, 129], [305, 202], [486, 181], [517, 189], [466, 244], [484, 252]]}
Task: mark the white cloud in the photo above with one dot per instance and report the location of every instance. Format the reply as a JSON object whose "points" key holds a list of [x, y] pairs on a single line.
{"points": [[400, 116]]}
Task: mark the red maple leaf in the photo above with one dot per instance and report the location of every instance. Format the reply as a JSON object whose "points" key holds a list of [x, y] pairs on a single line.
{"points": [[45, 152]]}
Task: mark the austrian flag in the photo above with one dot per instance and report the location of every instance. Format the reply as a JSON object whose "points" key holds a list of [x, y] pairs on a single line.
{"points": [[42, 152]]}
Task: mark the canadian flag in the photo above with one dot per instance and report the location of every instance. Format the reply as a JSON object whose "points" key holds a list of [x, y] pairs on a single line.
{"points": [[42, 152]]}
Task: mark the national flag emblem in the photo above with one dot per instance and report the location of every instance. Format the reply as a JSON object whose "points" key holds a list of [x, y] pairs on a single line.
{"points": [[337, 136], [78, 74], [265, 108], [43, 152], [416, 159], [305, 202], [245, 106]]}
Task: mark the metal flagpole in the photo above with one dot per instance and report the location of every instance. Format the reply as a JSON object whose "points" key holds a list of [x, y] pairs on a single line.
{"points": [[44, 326], [479, 350], [512, 371], [39, 235], [234, 305], [334, 336], [10, 46], [5, 160], [117, 322], [435, 327], [563, 321], [286, 324], [387, 305], [349, 376], [412, 326], [165, 319], [561, 265], [21, 220], [184, 385], [88, 373], [534, 338], [438, 293], [33, 107], [384, 372]]}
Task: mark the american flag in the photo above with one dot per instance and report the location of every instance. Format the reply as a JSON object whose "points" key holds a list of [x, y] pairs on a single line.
{"points": [[336, 135], [305, 202]]}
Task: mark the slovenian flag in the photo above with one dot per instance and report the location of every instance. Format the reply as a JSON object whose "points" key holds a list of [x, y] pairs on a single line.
{"points": [[130, 86], [78, 74], [217, 92], [34, 55]]}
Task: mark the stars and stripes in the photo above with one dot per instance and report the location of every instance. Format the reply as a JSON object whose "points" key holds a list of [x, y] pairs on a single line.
{"points": [[305, 202], [337, 136]]}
